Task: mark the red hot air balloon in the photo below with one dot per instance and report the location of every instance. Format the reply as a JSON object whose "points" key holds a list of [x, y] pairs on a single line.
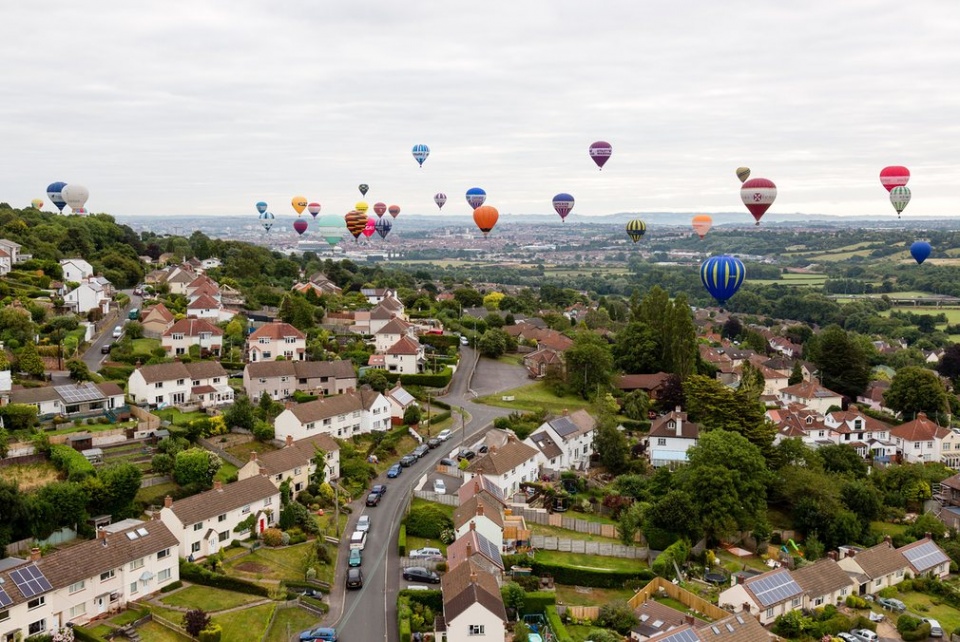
{"points": [[356, 222], [600, 152], [300, 226], [758, 194], [370, 227], [379, 209], [394, 211], [894, 176]]}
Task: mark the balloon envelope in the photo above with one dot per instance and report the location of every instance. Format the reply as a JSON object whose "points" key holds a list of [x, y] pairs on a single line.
{"points": [[563, 203], [894, 176], [54, 193], [758, 194], [485, 217], [440, 198], [900, 197], [36, 203], [920, 251], [383, 227], [300, 226], [702, 224], [261, 207], [363, 187], [314, 209], [420, 153], [361, 207], [331, 228], [356, 222], [600, 152], [75, 195], [379, 209], [299, 204], [743, 173], [266, 220], [476, 197], [636, 229], [722, 276], [394, 210], [370, 227]]}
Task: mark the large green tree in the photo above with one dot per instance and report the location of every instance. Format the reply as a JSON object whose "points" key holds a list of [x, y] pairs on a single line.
{"points": [[589, 364], [29, 360], [196, 467], [636, 350], [611, 446], [914, 390], [718, 407], [841, 359]]}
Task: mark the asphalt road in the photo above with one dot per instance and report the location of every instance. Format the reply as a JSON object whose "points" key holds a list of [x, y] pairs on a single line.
{"points": [[370, 613], [92, 357]]}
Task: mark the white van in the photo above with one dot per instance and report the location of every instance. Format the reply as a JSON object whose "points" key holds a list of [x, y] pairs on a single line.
{"points": [[358, 540], [865, 634], [117, 331]]}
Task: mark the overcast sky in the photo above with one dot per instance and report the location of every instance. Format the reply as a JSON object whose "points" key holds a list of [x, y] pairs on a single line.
{"points": [[189, 107]]}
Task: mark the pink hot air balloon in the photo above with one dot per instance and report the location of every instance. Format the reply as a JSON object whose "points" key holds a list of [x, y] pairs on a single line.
{"points": [[314, 209], [370, 228], [894, 176], [379, 209], [300, 226], [600, 152]]}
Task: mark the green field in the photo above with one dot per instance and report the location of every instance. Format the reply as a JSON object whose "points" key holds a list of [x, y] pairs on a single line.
{"points": [[207, 598], [794, 280], [533, 397]]}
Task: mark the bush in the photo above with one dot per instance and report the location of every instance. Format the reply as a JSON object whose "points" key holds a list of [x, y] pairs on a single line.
{"points": [[173, 586], [556, 625], [537, 601], [617, 615], [211, 634], [427, 521], [405, 634], [428, 380], [68, 460], [402, 540], [81, 634], [856, 602], [272, 537], [588, 577]]}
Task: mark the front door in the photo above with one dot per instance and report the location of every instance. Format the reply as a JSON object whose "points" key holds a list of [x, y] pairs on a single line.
{"points": [[263, 524], [101, 603]]}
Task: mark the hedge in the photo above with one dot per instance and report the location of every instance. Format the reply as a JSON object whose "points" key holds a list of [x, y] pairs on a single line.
{"points": [[636, 426], [171, 587], [82, 635], [440, 340], [556, 625], [405, 634], [432, 599], [573, 576], [68, 460], [198, 575], [538, 601], [428, 380], [402, 540]]}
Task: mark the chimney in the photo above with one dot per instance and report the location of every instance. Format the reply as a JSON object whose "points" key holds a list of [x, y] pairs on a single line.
{"points": [[851, 552], [479, 509], [473, 575], [888, 540], [746, 606], [476, 485], [928, 536], [832, 555], [565, 412], [35, 554], [218, 485], [168, 502], [689, 619], [253, 455], [101, 533], [678, 409], [473, 527], [289, 440], [469, 549], [262, 471]]}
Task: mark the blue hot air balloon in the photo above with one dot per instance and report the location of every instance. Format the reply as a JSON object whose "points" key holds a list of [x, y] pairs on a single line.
{"points": [[261, 207], [563, 203], [54, 194], [420, 153], [383, 227], [722, 276], [476, 196], [920, 251]]}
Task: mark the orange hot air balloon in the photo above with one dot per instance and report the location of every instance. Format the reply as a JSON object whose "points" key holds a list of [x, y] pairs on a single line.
{"points": [[356, 223], [299, 203], [702, 224], [485, 217]]}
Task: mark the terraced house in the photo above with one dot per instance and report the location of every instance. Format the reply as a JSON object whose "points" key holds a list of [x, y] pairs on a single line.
{"points": [[280, 379], [177, 384]]}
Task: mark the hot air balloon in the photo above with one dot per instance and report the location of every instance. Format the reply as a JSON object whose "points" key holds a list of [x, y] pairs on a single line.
{"points": [[894, 176], [261, 207], [702, 224], [600, 152], [266, 220], [383, 227], [636, 229], [363, 187], [299, 204], [379, 209], [370, 227], [36, 203], [361, 206], [300, 226], [75, 196], [722, 276], [330, 227], [314, 209], [900, 196], [356, 222], [758, 194], [476, 196], [485, 217], [440, 198], [920, 251], [394, 210], [563, 203], [743, 173], [420, 153], [54, 193]]}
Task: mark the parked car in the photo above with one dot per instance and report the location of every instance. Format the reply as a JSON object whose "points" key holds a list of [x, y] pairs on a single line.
{"points": [[865, 635], [363, 524], [464, 341], [394, 471], [848, 637], [408, 460], [356, 557], [118, 332], [427, 552], [358, 540], [466, 454], [314, 593], [420, 574], [936, 631], [420, 451], [354, 578], [483, 449], [105, 349], [448, 462], [322, 634], [433, 442], [439, 487], [379, 489], [444, 434], [892, 604], [373, 499]]}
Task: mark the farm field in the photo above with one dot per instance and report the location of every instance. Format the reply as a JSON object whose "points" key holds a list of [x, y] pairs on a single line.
{"points": [[794, 280]]}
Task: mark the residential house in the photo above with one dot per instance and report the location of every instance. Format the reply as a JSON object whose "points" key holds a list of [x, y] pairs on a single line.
{"points": [[767, 596], [669, 439], [12, 250], [481, 514], [872, 398], [73, 401], [736, 628], [207, 307], [811, 395], [156, 320], [294, 462], [474, 547], [309, 286], [379, 317], [178, 278], [573, 436], [212, 520], [276, 339], [506, 467], [823, 582], [210, 263], [342, 416], [375, 295], [280, 379], [89, 295], [79, 583], [472, 606], [652, 384], [550, 454], [183, 334], [773, 380], [654, 618], [544, 361], [926, 558], [481, 486], [399, 400], [875, 568], [947, 494], [75, 270], [388, 336], [919, 440], [797, 422], [785, 347], [950, 449], [326, 285], [178, 384], [870, 437], [6, 263], [406, 356]]}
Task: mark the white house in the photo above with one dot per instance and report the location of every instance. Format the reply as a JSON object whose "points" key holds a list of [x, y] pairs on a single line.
{"points": [[506, 467], [823, 582], [406, 356], [128, 561], [870, 437], [481, 514], [89, 295], [472, 606], [950, 449], [6, 263], [211, 520], [573, 436], [12, 250], [207, 307], [811, 395], [75, 270], [341, 416], [669, 439], [399, 400], [926, 558], [875, 568], [72, 400], [375, 295], [276, 339], [178, 278], [767, 596], [387, 336], [294, 462], [178, 338], [474, 547], [280, 379], [919, 440], [176, 384]]}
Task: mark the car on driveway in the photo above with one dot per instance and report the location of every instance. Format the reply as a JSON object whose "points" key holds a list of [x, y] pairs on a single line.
{"points": [[892, 603], [466, 454], [394, 471], [448, 462], [322, 634], [847, 637], [373, 499], [356, 557], [427, 552], [936, 631], [865, 635], [444, 434], [420, 574], [439, 487], [408, 460], [354, 578], [363, 524]]}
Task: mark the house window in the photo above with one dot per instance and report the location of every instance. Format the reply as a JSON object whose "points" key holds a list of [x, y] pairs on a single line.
{"points": [[268, 501], [78, 609], [134, 588], [878, 581], [262, 380], [224, 536], [946, 445], [795, 603], [267, 354], [929, 444], [163, 575], [77, 587], [37, 627], [4, 615], [311, 425], [158, 400], [298, 487], [162, 554], [769, 613], [36, 603], [661, 441], [222, 518], [297, 470], [195, 382], [195, 547], [476, 629], [158, 385], [818, 601], [178, 336], [246, 509], [264, 341], [289, 339], [326, 422], [105, 577], [900, 573], [180, 382], [198, 526], [135, 564]]}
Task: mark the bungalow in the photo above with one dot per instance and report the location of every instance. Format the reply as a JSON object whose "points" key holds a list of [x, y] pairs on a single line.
{"points": [[276, 339], [280, 379], [294, 462], [811, 395], [212, 520], [823, 582], [735, 628], [768, 596], [542, 362], [476, 548], [481, 514], [669, 439], [73, 401], [177, 384], [919, 440], [875, 568], [654, 618], [472, 606], [156, 320], [506, 467], [341, 416], [183, 334], [406, 356], [926, 558]]}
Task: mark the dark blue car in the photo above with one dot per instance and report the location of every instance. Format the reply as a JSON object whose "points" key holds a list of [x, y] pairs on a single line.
{"points": [[394, 471]]}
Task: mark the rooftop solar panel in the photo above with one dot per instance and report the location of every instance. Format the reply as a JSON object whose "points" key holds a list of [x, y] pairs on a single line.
{"points": [[684, 635], [30, 581], [5, 599], [563, 426], [774, 588], [80, 393], [925, 556]]}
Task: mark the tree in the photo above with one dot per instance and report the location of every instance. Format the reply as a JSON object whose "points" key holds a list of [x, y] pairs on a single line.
{"points": [[636, 405], [732, 328], [297, 311], [411, 416], [513, 597], [115, 490], [635, 350], [672, 517], [29, 360], [468, 297], [630, 521], [79, 371], [841, 359], [589, 364], [617, 615], [376, 379], [796, 375], [492, 300], [915, 390], [717, 407], [196, 467], [610, 444], [949, 365], [133, 329], [842, 459], [603, 635], [927, 523], [493, 343], [195, 620], [240, 414]]}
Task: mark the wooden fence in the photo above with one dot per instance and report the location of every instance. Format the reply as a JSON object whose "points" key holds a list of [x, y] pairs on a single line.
{"points": [[607, 549], [560, 520], [693, 602], [579, 613]]}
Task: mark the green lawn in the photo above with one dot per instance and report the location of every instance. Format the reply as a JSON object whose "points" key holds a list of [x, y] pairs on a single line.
{"points": [[595, 562], [176, 417], [153, 496], [207, 598], [245, 624], [153, 632], [923, 605], [413, 543], [145, 347], [533, 397], [290, 621], [733, 564], [227, 470], [242, 451], [272, 564], [886, 528], [555, 531]]}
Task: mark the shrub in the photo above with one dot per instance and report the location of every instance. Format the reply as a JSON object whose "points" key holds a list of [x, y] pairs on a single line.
{"points": [[589, 577], [556, 625], [272, 537], [537, 601], [195, 620], [617, 615], [405, 634], [195, 573], [856, 602], [68, 460], [402, 540], [427, 520], [211, 634]]}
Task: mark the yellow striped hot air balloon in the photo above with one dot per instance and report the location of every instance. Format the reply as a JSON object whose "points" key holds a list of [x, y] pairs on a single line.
{"points": [[743, 173], [636, 229]]}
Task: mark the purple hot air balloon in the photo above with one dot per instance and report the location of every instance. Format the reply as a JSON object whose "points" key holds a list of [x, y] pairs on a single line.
{"points": [[300, 226], [600, 152]]}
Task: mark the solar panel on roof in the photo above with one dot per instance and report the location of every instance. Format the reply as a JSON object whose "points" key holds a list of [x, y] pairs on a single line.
{"points": [[925, 556], [489, 549], [80, 393], [685, 635], [564, 426], [5, 600], [30, 580], [774, 588]]}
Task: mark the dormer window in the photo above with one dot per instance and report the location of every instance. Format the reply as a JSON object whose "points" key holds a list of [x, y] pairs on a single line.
{"points": [[178, 336], [858, 424], [809, 420]]}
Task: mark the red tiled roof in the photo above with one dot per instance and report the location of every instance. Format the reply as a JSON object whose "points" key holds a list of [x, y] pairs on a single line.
{"points": [[192, 327], [204, 302], [276, 330], [920, 429], [405, 345]]}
